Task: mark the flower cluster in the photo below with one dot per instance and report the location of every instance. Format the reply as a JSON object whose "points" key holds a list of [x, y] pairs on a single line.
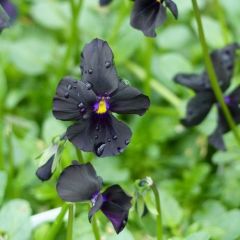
{"points": [[200, 105]]}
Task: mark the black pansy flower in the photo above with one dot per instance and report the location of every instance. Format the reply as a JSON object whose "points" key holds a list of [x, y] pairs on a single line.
{"points": [[104, 2], [90, 102], [147, 15], [200, 105], [80, 183], [4, 19], [10, 9]]}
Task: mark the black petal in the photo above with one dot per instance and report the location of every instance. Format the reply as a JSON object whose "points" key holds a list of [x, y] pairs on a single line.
{"points": [[45, 171], [198, 108], [98, 67], [97, 206], [216, 139], [102, 134], [104, 2], [223, 61], [147, 15], [78, 183], [10, 9], [73, 100], [197, 82], [128, 100], [116, 207], [172, 7], [4, 19]]}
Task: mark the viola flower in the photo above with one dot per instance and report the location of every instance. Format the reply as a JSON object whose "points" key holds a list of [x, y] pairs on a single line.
{"points": [[147, 15], [200, 105], [104, 2], [80, 183], [90, 103], [4, 19], [10, 9]]}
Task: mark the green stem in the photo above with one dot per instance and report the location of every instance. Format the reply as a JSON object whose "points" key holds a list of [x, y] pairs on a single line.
{"points": [[155, 85], [95, 229], [221, 17], [57, 223], [70, 222], [211, 73], [79, 156], [159, 216]]}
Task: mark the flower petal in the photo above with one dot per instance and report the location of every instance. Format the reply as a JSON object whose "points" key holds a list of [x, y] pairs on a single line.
{"points": [[73, 100], [97, 206], [216, 139], [128, 100], [4, 19], [172, 7], [147, 15], [104, 2], [196, 82], [102, 134], [78, 183], [198, 108], [98, 67], [10, 9], [223, 61], [45, 171]]}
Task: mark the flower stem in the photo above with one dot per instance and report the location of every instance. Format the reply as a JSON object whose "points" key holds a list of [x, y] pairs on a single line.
{"points": [[95, 229], [211, 73], [79, 156], [159, 216], [57, 224], [70, 222]]}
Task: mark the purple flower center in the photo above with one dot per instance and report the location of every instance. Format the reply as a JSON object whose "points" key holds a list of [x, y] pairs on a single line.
{"points": [[95, 198], [228, 100], [102, 105]]}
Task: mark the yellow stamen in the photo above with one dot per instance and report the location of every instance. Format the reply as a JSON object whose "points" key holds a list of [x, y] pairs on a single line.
{"points": [[102, 107]]}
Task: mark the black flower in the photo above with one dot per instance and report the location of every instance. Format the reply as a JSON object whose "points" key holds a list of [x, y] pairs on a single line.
{"points": [[10, 9], [104, 2], [80, 183], [90, 102], [200, 105], [4, 19], [147, 15]]}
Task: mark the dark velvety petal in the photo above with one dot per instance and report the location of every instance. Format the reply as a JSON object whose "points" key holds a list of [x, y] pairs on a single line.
{"points": [[216, 139], [128, 100], [102, 134], [73, 100], [172, 7], [96, 206], [98, 67], [4, 19], [196, 82], [45, 171], [117, 215], [104, 2], [198, 108], [78, 183], [223, 61], [10, 9], [115, 194], [147, 15]]}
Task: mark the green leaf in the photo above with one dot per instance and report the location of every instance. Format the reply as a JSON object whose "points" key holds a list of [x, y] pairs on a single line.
{"points": [[3, 184], [199, 236]]}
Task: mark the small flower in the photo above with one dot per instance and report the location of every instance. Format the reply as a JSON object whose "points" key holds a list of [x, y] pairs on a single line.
{"points": [[200, 105], [90, 102], [104, 2], [4, 19], [147, 15], [10, 9], [49, 159], [80, 183]]}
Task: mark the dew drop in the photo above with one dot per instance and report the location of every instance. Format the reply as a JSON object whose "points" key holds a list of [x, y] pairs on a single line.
{"points": [[80, 105], [66, 94], [69, 86], [96, 137], [115, 137], [90, 70], [107, 64], [82, 110], [88, 85], [99, 148], [127, 142], [97, 128], [109, 139], [120, 150]]}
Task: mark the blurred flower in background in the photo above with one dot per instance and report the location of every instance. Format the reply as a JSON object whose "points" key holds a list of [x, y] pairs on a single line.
{"points": [[10, 9], [4, 19], [104, 2]]}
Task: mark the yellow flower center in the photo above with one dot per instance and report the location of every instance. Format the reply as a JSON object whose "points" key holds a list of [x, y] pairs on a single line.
{"points": [[102, 107]]}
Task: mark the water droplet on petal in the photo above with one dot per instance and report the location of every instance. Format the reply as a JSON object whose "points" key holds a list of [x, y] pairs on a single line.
{"points": [[109, 139], [96, 137], [69, 86], [97, 128], [82, 110], [99, 148], [88, 85], [107, 64], [115, 137], [90, 70], [127, 142], [120, 150], [80, 105], [66, 94]]}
